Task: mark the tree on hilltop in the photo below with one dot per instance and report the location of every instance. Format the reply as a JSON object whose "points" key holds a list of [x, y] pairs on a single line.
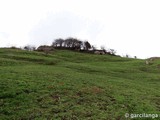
{"points": [[70, 43], [87, 45], [58, 42]]}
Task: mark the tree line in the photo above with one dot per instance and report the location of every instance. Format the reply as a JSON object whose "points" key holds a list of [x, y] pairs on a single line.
{"points": [[70, 44]]}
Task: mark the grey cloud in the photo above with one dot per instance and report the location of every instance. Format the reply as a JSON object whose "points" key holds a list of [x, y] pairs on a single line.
{"points": [[62, 25]]}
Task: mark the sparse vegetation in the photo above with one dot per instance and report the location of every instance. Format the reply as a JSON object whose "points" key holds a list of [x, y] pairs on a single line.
{"points": [[29, 47], [70, 85]]}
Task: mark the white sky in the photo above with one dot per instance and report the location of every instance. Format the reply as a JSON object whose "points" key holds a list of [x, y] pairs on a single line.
{"points": [[128, 26]]}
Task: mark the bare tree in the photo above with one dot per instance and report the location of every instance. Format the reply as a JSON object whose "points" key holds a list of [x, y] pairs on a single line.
{"points": [[58, 42], [93, 47], [29, 47], [73, 43], [135, 57], [112, 51], [87, 45], [127, 56]]}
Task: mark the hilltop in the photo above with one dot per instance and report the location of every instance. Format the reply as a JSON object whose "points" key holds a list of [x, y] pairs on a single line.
{"points": [[68, 85]]}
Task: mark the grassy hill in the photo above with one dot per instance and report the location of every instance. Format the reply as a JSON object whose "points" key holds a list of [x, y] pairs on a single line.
{"points": [[70, 85]]}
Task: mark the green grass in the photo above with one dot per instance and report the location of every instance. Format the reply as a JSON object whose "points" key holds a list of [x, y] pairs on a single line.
{"points": [[66, 85]]}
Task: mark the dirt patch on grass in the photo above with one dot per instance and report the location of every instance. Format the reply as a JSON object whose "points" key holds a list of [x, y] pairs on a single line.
{"points": [[90, 90]]}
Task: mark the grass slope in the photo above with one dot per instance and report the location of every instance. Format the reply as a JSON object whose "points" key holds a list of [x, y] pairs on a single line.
{"points": [[76, 86]]}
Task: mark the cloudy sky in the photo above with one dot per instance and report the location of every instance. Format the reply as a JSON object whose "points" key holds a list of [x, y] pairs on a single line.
{"points": [[128, 26]]}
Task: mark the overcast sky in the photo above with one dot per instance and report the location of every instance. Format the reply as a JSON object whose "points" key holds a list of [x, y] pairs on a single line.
{"points": [[128, 26]]}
